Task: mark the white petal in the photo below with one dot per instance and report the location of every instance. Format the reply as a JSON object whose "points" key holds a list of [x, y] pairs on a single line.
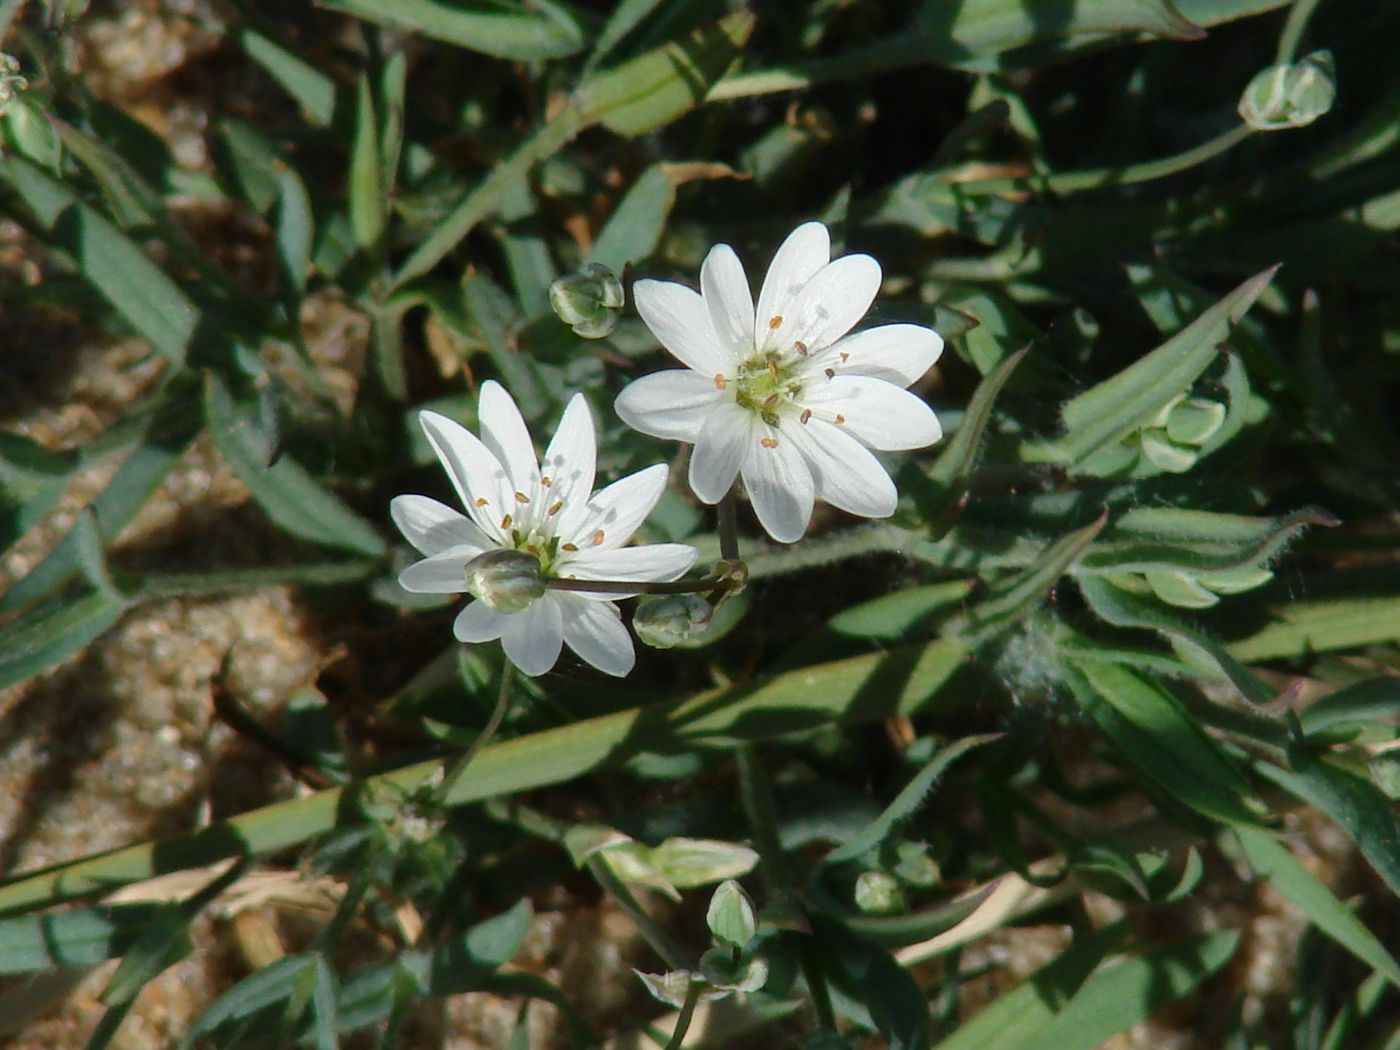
{"points": [[475, 471], [897, 353], [672, 405], [725, 288], [441, 574], [830, 304], [805, 251], [503, 431], [532, 638], [881, 414], [478, 622], [677, 317], [719, 451], [846, 474], [432, 527], [570, 463], [594, 630], [652, 562], [779, 484], [615, 512]]}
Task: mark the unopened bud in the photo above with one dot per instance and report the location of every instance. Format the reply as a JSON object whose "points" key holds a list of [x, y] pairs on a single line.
{"points": [[663, 621], [589, 302], [11, 83], [730, 916], [1290, 96], [26, 128], [879, 894], [687, 863], [508, 581]]}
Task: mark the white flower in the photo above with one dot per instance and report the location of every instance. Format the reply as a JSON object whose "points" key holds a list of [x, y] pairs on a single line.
{"points": [[547, 509], [781, 394]]}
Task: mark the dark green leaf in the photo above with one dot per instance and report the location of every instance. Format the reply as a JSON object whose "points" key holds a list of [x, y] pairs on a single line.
{"points": [[491, 27], [71, 938], [314, 90], [53, 632]]}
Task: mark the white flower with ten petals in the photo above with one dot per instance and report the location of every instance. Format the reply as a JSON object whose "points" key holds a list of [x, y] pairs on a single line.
{"points": [[781, 394], [547, 510]]}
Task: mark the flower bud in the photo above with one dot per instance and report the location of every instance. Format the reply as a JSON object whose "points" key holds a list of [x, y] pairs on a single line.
{"points": [[588, 302], [665, 620], [508, 581], [25, 127], [878, 894], [11, 83], [730, 916], [1290, 96], [687, 863]]}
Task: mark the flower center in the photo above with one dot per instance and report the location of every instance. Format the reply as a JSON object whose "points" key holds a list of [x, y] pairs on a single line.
{"points": [[767, 385], [546, 549]]}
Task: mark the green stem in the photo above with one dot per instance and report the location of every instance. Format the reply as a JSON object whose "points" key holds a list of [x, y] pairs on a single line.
{"points": [[763, 818], [444, 790], [387, 325], [1094, 178], [560, 583], [816, 985], [692, 997], [658, 939], [1293, 29], [728, 525], [487, 197]]}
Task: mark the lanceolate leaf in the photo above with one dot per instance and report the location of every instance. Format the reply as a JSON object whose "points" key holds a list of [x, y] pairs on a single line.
{"points": [[493, 27], [1172, 538], [74, 938]]}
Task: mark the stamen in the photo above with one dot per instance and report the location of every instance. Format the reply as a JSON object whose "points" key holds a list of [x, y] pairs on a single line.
{"points": [[830, 373], [481, 501], [839, 419], [546, 481], [800, 347], [505, 522], [769, 442], [568, 547], [806, 415], [597, 537], [773, 368], [556, 507], [771, 400], [520, 497], [720, 381], [845, 356], [775, 321]]}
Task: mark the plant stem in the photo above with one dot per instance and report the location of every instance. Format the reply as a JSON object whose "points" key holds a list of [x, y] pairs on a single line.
{"points": [[728, 525], [763, 818], [557, 583], [1298, 17], [658, 939], [692, 997], [444, 789]]}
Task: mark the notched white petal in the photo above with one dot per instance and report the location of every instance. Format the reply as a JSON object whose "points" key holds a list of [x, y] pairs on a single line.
{"points": [[672, 405], [845, 473], [615, 512], [532, 639], [678, 318], [474, 470], [779, 485], [595, 632], [431, 526], [830, 304]]}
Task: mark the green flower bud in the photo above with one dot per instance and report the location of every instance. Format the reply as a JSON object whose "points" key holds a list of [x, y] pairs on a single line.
{"points": [[730, 916], [1193, 420], [588, 302], [1290, 96], [11, 83], [26, 128], [508, 581], [662, 621], [879, 894], [687, 863], [914, 867]]}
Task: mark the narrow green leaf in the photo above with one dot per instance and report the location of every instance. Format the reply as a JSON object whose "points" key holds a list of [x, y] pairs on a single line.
{"points": [[626, 16], [853, 691], [249, 162], [491, 27], [1127, 992], [1195, 540], [1357, 806], [900, 616], [527, 252], [1153, 731], [53, 632], [32, 480], [368, 209], [246, 1000], [1369, 701], [291, 496], [137, 289], [868, 975], [942, 486], [1016, 597], [1112, 410], [1012, 1019], [653, 89], [1303, 628], [312, 89], [71, 938], [295, 229], [907, 802], [1271, 860], [493, 943]]}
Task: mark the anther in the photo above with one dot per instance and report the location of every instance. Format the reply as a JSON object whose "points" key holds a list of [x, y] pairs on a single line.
{"points": [[720, 381], [806, 415], [520, 497], [597, 538], [830, 373], [556, 507], [769, 442], [546, 481], [800, 347], [775, 321], [840, 419], [771, 400], [773, 368], [505, 522], [845, 356], [568, 547], [481, 501]]}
